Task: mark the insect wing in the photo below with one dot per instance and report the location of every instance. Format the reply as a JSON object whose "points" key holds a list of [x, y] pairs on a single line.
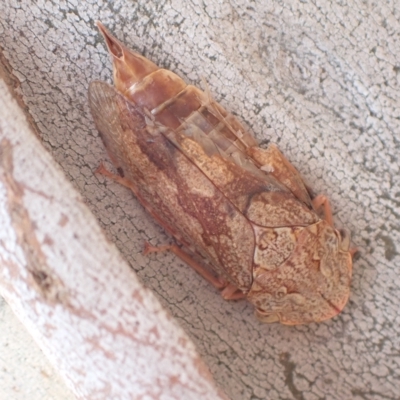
{"points": [[175, 192], [258, 196]]}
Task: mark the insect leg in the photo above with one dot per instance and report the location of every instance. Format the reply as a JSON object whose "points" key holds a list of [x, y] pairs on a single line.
{"points": [[353, 251], [101, 169], [217, 282], [231, 292], [322, 201]]}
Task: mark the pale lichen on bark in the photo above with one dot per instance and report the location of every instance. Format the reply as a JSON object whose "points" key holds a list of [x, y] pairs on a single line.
{"points": [[321, 80]]}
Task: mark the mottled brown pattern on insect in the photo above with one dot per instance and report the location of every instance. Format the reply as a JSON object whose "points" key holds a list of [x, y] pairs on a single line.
{"points": [[244, 210]]}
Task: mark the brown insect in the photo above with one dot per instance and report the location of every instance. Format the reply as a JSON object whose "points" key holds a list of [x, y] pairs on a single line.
{"points": [[244, 211]]}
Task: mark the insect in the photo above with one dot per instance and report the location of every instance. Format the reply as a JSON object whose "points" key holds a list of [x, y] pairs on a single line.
{"points": [[241, 214]]}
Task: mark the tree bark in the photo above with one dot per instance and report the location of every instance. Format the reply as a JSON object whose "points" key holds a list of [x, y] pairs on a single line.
{"points": [[319, 78]]}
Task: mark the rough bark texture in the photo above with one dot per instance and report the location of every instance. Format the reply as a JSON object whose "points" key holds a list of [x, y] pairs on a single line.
{"points": [[321, 79]]}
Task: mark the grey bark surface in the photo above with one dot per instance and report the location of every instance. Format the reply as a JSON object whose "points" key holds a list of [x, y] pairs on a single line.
{"points": [[320, 79]]}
